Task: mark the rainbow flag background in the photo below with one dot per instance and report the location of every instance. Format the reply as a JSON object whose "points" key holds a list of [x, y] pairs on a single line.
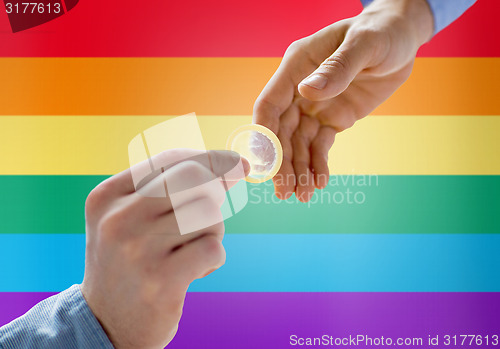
{"points": [[419, 257]]}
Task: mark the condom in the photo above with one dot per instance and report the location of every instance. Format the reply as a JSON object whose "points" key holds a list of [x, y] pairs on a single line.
{"points": [[261, 148]]}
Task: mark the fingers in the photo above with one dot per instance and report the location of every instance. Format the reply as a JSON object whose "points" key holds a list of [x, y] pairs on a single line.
{"points": [[278, 94], [301, 140], [285, 181], [197, 215], [275, 98], [335, 74], [225, 164], [319, 155], [187, 181], [165, 231], [305, 155], [179, 185], [137, 176], [204, 168], [162, 234], [195, 259]]}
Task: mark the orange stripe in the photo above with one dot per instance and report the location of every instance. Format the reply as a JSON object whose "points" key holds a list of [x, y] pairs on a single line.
{"points": [[219, 86]]}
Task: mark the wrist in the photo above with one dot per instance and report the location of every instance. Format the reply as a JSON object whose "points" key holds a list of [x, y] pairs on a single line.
{"points": [[421, 18], [416, 14]]}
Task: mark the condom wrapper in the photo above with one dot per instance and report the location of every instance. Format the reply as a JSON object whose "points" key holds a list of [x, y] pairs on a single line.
{"points": [[261, 148]]}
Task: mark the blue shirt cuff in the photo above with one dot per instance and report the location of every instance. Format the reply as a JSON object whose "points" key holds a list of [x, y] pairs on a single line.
{"points": [[63, 321]]}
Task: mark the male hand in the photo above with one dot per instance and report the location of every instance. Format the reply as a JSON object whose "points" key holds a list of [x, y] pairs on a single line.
{"points": [[138, 266], [331, 79]]}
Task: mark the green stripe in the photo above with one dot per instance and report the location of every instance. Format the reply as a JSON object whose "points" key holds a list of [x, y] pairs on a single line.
{"points": [[398, 204]]}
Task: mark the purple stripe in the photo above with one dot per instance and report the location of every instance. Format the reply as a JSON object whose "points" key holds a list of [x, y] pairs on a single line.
{"points": [[13, 305], [266, 320]]}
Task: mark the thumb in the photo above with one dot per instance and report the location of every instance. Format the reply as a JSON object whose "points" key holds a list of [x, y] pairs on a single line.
{"points": [[228, 165], [335, 74]]}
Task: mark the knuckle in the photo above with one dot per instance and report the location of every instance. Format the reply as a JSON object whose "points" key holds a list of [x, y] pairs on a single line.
{"points": [[196, 172], [112, 224], [170, 157], [219, 230], [286, 130], [97, 196], [212, 250], [212, 208], [217, 196], [173, 308], [302, 138], [268, 111], [336, 62], [166, 156], [209, 212], [202, 182], [217, 193], [363, 33], [295, 47], [346, 122]]}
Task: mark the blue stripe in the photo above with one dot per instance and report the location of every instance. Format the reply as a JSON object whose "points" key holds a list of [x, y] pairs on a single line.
{"points": [[286, 263]]}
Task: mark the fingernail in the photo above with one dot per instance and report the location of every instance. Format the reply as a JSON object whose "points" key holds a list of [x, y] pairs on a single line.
{"points": [[317, 81], [246, 165]]}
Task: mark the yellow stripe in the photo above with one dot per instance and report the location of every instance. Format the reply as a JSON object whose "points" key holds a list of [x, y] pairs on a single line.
{"points": [[399, 145]]}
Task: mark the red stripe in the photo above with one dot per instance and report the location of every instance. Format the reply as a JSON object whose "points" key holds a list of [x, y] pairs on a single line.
{"points": [[475, 34], [219, 28]]}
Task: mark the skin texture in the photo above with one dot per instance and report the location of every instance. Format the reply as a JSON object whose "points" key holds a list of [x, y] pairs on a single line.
{"points": [[331, 79], [138, 267]]}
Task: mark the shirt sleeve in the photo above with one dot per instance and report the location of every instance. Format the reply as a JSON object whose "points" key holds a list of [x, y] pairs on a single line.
{"points": [[445, 12], [63, 321]]}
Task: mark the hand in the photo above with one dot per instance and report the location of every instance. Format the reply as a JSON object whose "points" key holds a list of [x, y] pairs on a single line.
{"points": [[138, 266], [331, 79]]}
